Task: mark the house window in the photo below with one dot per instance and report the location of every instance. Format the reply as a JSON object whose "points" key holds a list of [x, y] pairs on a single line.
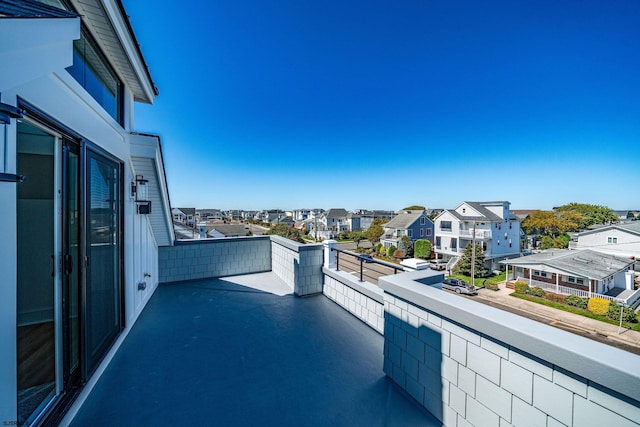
{"points": [[410, 233], [576, 280], [91, 69], [612, 240], [539, 273], [445, 225], [421, 232], [454, 244], [464, 210], [422, 221], [438, 242], [428, 232]]}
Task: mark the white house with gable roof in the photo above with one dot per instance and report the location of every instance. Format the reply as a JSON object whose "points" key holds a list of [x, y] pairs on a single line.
{"points": [[495, 227]]}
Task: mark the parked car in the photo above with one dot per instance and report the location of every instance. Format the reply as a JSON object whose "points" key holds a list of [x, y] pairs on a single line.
{"points": [[459, 286], [366, 257], [437, 264]]}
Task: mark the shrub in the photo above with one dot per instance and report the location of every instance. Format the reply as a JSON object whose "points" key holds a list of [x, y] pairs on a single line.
{"points": [[491, 286], [598, 305], [390, 250], [521, 287], [537, 291], [555, 297], [378, 247], [422, 249], [398, 254], [382, 251], [576, 301], [614, 313]]}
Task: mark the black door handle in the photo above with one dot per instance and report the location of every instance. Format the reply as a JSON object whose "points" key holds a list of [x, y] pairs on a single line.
{"points": [[68, 264]]}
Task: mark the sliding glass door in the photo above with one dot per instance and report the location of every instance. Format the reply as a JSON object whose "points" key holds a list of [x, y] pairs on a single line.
{"points": [[69, 267], [103, 256]]}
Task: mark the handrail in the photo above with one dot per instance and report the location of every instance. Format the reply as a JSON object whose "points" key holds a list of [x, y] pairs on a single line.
{"points": [[362, 260]]}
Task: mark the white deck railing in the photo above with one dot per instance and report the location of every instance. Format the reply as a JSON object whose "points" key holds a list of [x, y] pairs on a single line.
{"points": [[565, 290]]}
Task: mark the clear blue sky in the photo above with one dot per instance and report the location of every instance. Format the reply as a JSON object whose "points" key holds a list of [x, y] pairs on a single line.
{"points": [[383, 104]]}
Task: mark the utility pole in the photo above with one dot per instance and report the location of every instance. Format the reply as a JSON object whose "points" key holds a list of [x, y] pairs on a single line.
{"points": [[473, 256]]}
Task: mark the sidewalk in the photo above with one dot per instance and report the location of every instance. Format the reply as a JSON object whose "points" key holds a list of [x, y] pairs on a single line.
{"points": [[561, 319]]}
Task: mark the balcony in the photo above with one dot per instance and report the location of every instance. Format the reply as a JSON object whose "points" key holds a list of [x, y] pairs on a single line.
{"points": [[479, 234], [245, 351], [227, 342]]}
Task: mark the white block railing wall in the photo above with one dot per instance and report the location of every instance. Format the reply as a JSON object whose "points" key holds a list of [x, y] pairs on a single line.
{"points": [[298, 265], [362, 299], [199, 259], [471, 364]]}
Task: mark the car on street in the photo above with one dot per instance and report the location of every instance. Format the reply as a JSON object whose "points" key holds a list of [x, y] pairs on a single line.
{"points": [[458, 286], [366, 257], [437, 264]]}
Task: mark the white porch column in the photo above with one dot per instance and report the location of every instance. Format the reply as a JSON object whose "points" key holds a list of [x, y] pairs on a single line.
{"points": [[530, 275], [557, 283], [329, 254]]}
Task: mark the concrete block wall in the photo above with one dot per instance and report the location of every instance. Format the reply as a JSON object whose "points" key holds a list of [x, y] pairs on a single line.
{"points": [[198, 259], [299, 265], [470, 364], [362, 299]]}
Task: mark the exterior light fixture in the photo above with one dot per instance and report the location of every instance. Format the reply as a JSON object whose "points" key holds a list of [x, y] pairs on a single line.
{"points": [[141, 192]]}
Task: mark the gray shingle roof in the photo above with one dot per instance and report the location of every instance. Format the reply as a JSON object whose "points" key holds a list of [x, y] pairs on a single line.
{"points": [[337, 213], [631, 227], [403, 220], [584, 263], [31, 9]]}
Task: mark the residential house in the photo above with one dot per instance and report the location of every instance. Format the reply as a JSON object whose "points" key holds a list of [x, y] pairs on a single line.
{"points": [[621, 239], [414, 224], [188, 215], [579, 272], [334, 220], [178, 216], [210, 214], [85, 204], [496, 228], [305, 214], [228, 230]]}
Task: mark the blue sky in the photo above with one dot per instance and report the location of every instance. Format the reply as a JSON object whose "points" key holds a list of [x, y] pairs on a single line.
{"points": [[383, 104]]}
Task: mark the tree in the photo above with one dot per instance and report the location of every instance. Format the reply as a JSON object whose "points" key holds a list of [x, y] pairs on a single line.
{"points": [[374, 232], [415, 208], [463, 266], [405, 245], [592, 214], [391, 250], [357, 236], [287, 232], [422, 249]]}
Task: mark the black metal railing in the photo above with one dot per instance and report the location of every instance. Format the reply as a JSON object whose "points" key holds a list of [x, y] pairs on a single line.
{"points": [[361, 260]]}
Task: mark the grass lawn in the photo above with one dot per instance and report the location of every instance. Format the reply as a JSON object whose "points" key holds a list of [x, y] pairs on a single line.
{"points": [[480, 281], [575, 310]]}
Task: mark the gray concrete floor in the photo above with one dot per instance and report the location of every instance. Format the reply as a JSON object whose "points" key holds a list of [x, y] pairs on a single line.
{"points": [[223, 353]]}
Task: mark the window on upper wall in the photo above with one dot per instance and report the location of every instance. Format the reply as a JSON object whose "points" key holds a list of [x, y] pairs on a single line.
{"points": [[421, 232], [91, 69], [410, 233], [445, 225], [428, 232], [612, 240], [422, 221]]}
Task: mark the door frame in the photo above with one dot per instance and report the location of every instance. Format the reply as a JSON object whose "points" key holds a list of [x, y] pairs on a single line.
{"points": [[68, 389]]}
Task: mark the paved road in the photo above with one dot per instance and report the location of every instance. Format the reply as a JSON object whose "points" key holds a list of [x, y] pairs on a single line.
{"points": [[590, 328], [371, 271]]}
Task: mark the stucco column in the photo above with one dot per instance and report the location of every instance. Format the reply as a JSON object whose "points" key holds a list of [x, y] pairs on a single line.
{"points": [[329, 254]]}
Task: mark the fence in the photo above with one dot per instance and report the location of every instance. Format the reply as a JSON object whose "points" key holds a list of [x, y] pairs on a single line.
{"points": [[565, 290]]}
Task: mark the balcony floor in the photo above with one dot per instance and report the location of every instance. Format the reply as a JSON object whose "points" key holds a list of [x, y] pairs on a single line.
{"points": [[229, 352]]}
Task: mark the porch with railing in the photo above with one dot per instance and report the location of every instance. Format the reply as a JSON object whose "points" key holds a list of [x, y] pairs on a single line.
{"points": [[626, 298]]}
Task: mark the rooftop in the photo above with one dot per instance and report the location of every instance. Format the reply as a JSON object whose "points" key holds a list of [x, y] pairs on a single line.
{"points": [[243, 351]]}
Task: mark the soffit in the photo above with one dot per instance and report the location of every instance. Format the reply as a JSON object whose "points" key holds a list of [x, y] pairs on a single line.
{"points": [[125, 55]]}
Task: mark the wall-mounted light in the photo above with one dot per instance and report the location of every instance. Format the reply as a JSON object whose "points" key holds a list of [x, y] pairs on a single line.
{"points": [[140, 190]]}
